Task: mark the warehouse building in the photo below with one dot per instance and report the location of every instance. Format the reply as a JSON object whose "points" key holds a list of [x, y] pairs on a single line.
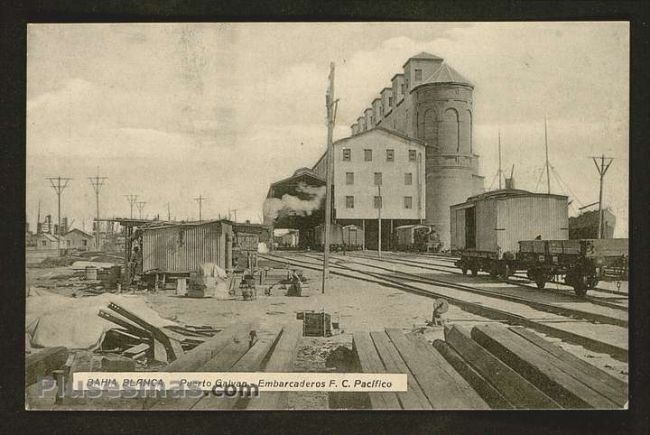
{"points": [[378, 171], [425, 117]]}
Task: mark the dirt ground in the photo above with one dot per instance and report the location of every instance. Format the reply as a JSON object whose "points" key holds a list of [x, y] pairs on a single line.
{"points": [[357, 305]]}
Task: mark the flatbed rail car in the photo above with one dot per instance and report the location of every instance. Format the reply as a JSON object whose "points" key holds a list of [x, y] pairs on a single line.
{"points": [[582, 262]]}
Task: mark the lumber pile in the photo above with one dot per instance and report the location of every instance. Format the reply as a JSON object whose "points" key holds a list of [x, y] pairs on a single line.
{"points": [[489, 367]]}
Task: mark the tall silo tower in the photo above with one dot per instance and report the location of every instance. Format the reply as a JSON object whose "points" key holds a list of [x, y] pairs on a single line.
{"points": [[443, 104]]}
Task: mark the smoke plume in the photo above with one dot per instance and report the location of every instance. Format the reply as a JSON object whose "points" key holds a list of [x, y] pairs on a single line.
{"points": [[292, 205]]}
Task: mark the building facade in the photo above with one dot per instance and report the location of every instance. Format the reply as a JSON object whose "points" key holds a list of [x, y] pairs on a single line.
{"points": [[377, 169], [433, 103]]}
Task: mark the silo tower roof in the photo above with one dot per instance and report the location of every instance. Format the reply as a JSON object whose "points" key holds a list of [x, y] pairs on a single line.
{"points": [[445, 74]]}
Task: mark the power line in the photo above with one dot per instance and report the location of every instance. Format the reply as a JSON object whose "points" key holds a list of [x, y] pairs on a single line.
{"points": [[605, 163], [132, 199], [97, 182], [59, 184], [140, 205], [200, 200]]}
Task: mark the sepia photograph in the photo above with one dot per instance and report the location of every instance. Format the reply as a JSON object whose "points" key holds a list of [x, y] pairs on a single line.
{"points": [[327, 216]]}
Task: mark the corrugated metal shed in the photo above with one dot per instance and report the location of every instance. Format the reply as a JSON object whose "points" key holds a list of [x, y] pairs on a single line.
{"points": [[185, 247]]}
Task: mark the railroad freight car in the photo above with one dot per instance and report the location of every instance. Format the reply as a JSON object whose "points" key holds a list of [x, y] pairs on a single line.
{"points": [[486, 229], [581, 262], [420, 238], [336, 237], [353, 237], [508, 230]]}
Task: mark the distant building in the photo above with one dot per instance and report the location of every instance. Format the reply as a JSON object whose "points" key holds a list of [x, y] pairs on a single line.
{"points": [[77, 239], [585, 225], [48, 241]]}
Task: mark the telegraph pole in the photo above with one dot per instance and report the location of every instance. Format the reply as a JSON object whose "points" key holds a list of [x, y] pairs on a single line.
{"points": [[59, 184], [200, 200], [132, 199], [169, 213], [548, 176], [330, 105], [140, 205], [234, 211], [602, 168], [97, 182]]}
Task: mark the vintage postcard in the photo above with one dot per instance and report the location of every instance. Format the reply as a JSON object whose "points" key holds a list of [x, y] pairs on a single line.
{"points": [[322, 216]]}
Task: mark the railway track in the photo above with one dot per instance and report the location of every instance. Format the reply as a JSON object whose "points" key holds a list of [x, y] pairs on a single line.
{"points": [[613, 318], [600, 337], [601, 301]]}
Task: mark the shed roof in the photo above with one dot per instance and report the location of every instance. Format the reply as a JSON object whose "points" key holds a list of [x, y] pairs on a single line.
{"points": [[423, 56], [445, 74]]}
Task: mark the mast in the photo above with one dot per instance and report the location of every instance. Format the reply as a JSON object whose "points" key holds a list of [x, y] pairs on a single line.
{"points": [[548, 176], [499, 173]]}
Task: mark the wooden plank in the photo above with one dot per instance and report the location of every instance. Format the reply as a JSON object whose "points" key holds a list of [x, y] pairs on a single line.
{"points": [[371, 363], [204, 352], [473, 398], [594, 372], [412, 399], [440, 389], [41, 364], [281, 361], [491, 395], [233, 350], [517, 390], [251, 361], [524, 357]]}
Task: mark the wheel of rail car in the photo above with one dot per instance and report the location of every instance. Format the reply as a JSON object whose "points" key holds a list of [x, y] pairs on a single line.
{"points": [[540, 283], [464, 270], [505, 270], [494, 271], [474, 271]]}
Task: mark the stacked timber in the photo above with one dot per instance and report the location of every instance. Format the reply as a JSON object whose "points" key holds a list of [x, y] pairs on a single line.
{"points": [[491, 367]]}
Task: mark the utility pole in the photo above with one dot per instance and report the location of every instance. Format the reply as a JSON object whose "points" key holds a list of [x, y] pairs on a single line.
{"points": [[59, 184], [330, 105], [500, 172], [548, 176], [200, 200], [379, 213], [97, 182], [234, 211], [602, 168], [132, 199], [140, 205], [169, 213]]}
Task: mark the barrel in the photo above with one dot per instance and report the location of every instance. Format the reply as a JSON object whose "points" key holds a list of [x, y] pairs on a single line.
{"points": [[91, 272]]}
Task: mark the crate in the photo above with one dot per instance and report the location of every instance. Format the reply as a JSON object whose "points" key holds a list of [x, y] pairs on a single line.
{"points": [[316, 325]]}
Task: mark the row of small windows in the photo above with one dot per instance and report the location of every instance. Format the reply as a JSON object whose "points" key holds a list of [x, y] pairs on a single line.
{"points": [[378, 202], [367, 155], [408, 178]]}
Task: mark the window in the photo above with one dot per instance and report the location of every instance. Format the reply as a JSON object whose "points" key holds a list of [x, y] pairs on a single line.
{"points": [[408, 202], [347, 154], [377, 178], [372, 121], [43, 243], [412, 155], [403, 88], [390, 155], [377, 202], [418, 74], [367, 155], [68, 242], [390, 101], [349, 202], [381, 111], [84, 242], [408, 178], [349, 178]]}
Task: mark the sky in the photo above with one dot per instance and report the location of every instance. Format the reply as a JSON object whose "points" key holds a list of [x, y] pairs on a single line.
{"points": [[173, 111]]}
